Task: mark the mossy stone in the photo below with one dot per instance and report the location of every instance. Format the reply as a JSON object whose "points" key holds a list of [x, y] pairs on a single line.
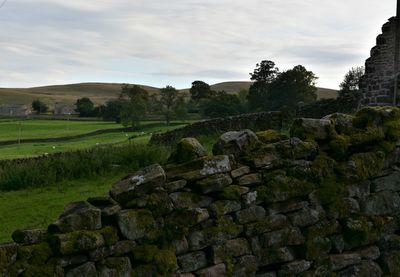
{"points": [[270, 136], [187, 149], [163, 259]]}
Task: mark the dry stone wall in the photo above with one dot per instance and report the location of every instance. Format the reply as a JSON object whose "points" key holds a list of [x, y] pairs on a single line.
{"points": [[323, 202], [254, 121], [377, 84]]}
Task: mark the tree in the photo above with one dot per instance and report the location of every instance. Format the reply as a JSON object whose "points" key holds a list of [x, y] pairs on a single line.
{"points": [[264, 73], [221, 104], [84, 106], [349, 93], [291, 87], [112, 110], [168, 100], [134, 105], [39, 106], [200, 90], [181, 108]]}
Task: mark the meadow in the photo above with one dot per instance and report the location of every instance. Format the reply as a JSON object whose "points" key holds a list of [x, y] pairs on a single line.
{"points": [[34, 129]]}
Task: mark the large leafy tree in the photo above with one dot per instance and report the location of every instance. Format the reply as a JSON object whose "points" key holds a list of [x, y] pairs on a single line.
{"points": [[39, 106], [112, 110], [264, 73], [168, 99], [134, 105], [84, 106], [221, 104], [292, 87], [349, 93], [181, 107], [200, 90]]}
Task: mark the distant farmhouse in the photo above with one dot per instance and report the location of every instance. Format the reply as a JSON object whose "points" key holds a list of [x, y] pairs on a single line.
{"points": [[64, 109], [15, 110]]}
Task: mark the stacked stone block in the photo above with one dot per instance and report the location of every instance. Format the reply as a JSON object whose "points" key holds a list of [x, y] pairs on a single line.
{"points": [[322, 202], [377, 84]]}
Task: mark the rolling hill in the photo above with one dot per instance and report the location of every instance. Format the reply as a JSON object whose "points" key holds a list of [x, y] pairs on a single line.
{"points": [[101, 92]]}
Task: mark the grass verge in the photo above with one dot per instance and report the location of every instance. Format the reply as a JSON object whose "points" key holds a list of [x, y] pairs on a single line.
{"points": [[37, 208]]}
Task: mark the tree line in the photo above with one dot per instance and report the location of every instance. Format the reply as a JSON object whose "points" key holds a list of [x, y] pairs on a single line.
{"points": [[271, 90]]}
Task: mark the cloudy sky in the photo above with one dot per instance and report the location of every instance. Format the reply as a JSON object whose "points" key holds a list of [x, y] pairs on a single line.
{"points": [[173, 42]]}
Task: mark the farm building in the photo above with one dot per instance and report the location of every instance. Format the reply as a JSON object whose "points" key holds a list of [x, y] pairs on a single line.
{"points": [[64, 109], [15, 110]]}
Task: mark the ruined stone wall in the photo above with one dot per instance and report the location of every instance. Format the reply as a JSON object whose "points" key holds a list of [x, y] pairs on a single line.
{"points": [[253, 121], [377, 84], [322, 202]]}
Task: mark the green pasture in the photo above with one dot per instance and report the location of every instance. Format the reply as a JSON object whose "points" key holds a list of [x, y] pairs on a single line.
{"points": [[28, 129], [37, 149], [37, 208]]}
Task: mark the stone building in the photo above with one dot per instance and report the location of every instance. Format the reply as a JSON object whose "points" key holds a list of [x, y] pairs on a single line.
{"points": [[64, 109], [14, 110], [380, 84]]}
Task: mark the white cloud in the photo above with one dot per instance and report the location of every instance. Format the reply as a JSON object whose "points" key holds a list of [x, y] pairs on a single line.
{"points": [[174, 42]]}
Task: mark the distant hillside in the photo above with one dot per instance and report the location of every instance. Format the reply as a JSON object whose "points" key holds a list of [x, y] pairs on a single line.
{"points": [[101, 92]]}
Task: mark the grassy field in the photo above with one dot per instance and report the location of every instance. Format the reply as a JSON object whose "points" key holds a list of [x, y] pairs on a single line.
{"points": [[37, 149], [28, 129], [37, 208]]}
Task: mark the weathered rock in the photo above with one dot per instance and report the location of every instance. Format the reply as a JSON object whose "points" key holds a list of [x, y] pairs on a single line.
{"points": [[136, 224], [29, 236], [213, 271], [68, 261], [295, 267], [251, 198], [250, 180], [369, 253], [390, 182], [77, 216], [270, 136], [343, 122], [308, 128], [183, 200], [382, 203], [365, 268], [361, 166], [390, 262], [286, 207], [360, 191], [181, 246], [115, 267], [187, 149], [284, 237], [176, 185], [340, 261], [229, 249], [76, 242], [223, 207], [268, 224], [275, 256], [316, 247], [199, 169], [296, 149], [87, 269], [250, 214], [192, 261], [390, 242], [234, 143], [214, 183], [8, 255], [138, 184], [304, 217], [338, 243], [100, 253], [240, 171], [187, 217], [245, 266]]}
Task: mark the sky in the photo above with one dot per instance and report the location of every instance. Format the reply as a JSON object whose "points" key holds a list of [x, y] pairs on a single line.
{"points": [[174, 42]]}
